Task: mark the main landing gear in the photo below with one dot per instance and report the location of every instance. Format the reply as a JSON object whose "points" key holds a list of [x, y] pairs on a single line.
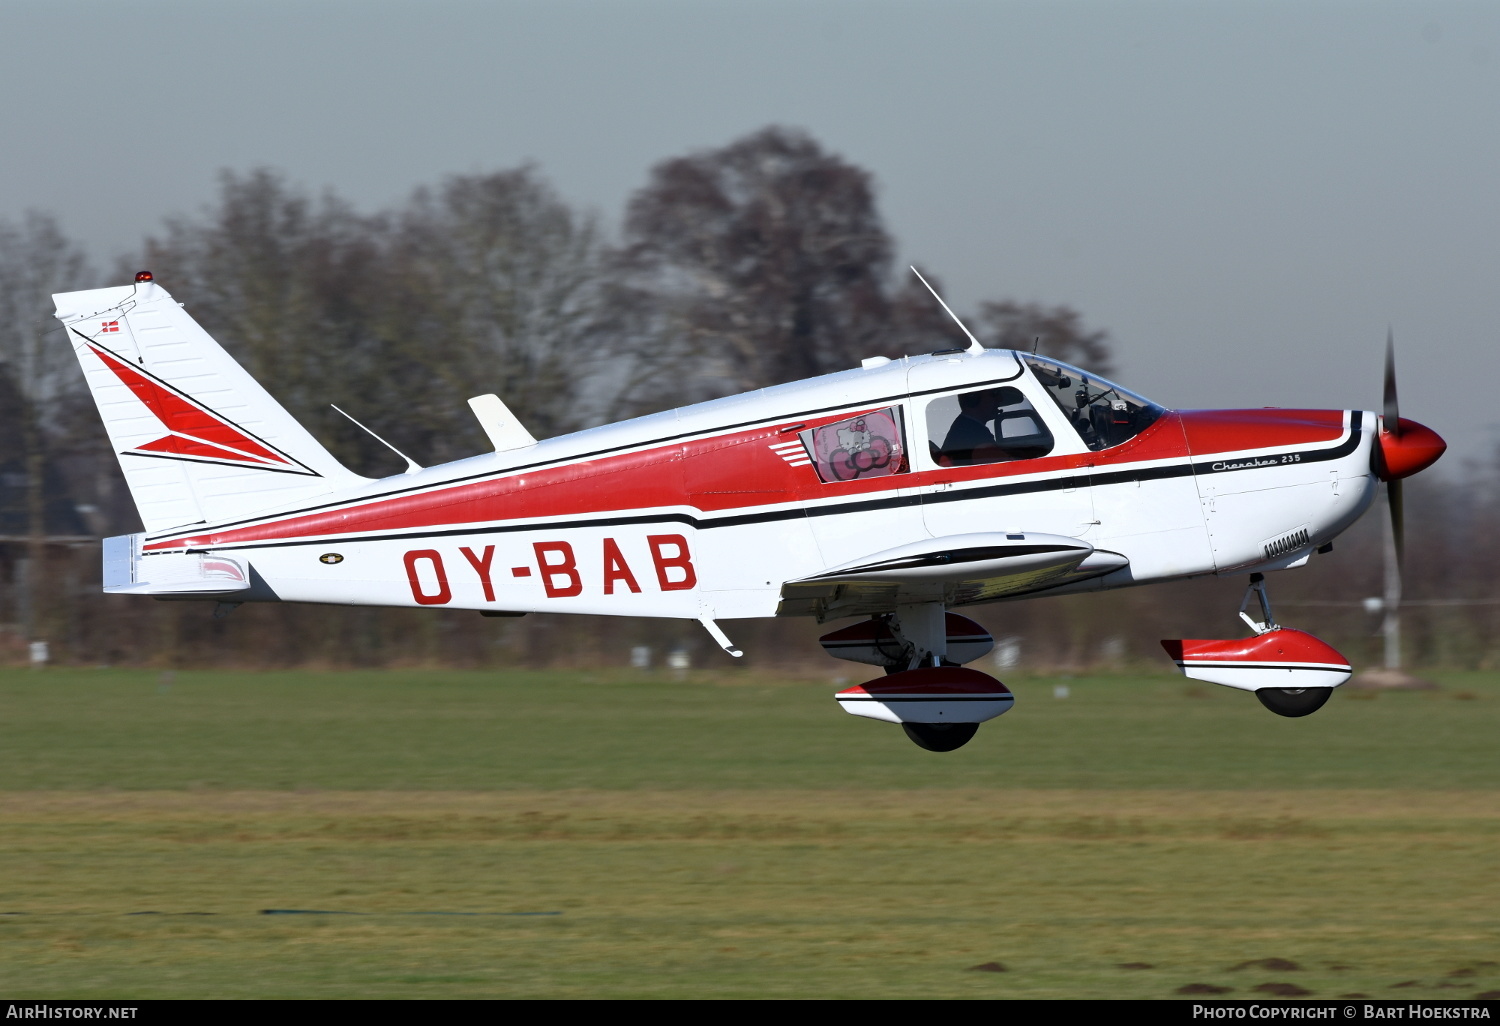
{"points": [[1291, 672], [940, 737], [939, 703]]}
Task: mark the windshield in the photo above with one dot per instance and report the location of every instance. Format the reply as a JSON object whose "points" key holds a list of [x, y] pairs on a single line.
{"points": [[1103, 413]]}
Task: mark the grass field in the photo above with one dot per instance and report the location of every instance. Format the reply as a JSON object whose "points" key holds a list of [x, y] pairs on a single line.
{"points": [[446, 834]]}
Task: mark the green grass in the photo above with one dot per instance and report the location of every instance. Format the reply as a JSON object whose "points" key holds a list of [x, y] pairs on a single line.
{"points": [[445, 730], [733, 836]]}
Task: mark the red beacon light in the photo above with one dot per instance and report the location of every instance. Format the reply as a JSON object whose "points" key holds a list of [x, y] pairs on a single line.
{"points": [[143, 276]]}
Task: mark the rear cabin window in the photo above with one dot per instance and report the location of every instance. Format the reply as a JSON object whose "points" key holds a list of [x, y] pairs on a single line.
{"points": [[870, 445], [988, 425]]}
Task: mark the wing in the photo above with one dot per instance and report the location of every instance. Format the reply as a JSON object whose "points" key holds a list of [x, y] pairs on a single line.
{"points": [[956, 570]]}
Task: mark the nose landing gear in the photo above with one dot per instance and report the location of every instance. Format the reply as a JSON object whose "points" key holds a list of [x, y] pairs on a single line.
{"points": [[1294, 701], [1291, 672]]}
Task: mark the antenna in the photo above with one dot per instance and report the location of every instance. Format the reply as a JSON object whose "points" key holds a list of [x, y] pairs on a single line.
{"points": [[974, 346], [411, 464], [1034, 343]]}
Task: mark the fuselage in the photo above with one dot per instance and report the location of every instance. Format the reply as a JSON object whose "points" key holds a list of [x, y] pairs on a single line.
{"points": [[708, 510]]}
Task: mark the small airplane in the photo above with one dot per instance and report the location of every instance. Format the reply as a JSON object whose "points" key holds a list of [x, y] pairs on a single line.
{"points": [[892, 492]]}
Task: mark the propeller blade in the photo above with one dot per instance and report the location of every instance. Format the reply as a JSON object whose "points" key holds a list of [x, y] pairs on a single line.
{"points": [[1395, 501], [1392, 412]]}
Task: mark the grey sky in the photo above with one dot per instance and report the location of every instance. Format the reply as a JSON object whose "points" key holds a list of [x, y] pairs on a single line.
{"points": [[1243, 194]]}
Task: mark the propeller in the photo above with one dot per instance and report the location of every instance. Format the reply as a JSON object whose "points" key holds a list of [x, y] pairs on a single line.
{"points": [[1389, 438], [1390, 423], [1403, 448]]}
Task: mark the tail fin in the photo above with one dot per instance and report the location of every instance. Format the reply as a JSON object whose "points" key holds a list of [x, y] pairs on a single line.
{"points": [[198, 439]]}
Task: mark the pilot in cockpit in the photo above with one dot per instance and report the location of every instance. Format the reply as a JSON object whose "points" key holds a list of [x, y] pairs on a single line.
{"points": [[993, 425], [969, 440]]}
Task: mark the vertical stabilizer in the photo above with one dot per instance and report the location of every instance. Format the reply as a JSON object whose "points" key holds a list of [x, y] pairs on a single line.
{"points": [[198, 438]]}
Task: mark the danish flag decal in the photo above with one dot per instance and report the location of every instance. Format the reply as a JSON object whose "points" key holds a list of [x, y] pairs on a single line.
{"points": [[194, 432]]}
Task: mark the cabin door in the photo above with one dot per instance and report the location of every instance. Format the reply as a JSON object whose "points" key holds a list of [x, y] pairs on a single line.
{"points": [[993, 451]]}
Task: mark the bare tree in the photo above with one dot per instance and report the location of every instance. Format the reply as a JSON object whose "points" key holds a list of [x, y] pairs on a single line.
{"points": [[36, 260], [289, 285], [488, 283], [497, 286], [761, 262], [766, 261]]}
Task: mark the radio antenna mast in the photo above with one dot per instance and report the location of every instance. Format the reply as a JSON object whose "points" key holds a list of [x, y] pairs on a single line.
{"points": [[411, 465], [974, 346]]}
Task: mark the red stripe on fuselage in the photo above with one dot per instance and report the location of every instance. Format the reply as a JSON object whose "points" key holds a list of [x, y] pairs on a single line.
{"points": [[739, 470]]}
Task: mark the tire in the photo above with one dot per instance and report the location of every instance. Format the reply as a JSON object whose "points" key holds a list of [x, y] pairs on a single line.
{"points": [[940, 737], [1293, 701]]}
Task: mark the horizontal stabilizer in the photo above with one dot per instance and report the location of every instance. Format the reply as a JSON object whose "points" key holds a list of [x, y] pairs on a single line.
{"points": [[176, 573]]}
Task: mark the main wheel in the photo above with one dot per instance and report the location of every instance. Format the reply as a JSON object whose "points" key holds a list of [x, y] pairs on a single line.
{"points": [[940, 737], [1293, 701]]}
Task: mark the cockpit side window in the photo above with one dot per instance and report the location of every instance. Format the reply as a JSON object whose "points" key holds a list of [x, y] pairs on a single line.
{"points": [[1103, 413], [870, 445], [988, 425]]}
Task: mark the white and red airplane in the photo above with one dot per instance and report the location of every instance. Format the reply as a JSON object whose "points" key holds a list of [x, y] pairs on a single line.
{"points": [[892, 492]]}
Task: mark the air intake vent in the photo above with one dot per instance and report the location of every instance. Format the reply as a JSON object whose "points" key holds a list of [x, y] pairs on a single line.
{"points": [[1286, 543]]}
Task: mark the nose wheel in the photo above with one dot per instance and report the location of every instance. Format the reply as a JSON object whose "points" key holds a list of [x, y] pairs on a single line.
{"points": [[1291, 672], [1293, 701], [1289, 702]]}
